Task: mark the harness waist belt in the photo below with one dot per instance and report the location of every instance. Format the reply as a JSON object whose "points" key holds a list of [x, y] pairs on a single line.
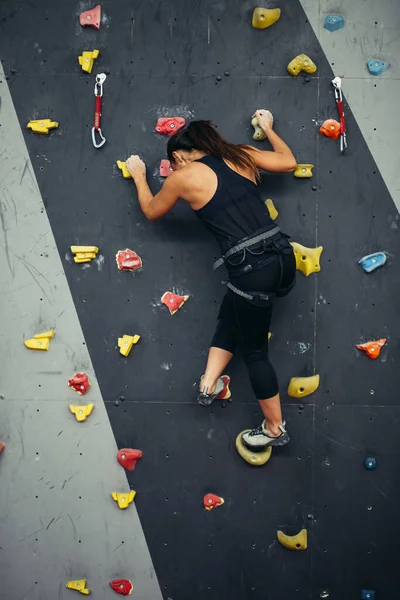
{"points": [[246, 244]]}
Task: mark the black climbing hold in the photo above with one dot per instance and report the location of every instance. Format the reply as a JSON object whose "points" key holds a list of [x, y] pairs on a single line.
{"points": [[314, 188], [370, 463], [116, 402], [227, 73], [219, 78]]}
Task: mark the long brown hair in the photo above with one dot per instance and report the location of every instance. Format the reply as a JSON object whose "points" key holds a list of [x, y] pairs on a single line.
{"points": [[202, 135]]}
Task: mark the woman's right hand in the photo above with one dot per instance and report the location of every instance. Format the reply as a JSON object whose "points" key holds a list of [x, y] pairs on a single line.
{"points": [[264, 118]]}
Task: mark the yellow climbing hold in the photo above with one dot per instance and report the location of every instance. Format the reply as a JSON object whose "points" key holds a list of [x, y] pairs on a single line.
{"points": [[84, 254], [37, 344], [79, 585], [259, 134], [45, 335], [124, 499], [302, 62], [307, 259], [257, 459], [122, 166], [126, 342], [303, 386], [265, 17], [303, 171], [87, 59], [293, 542], [273, 213], [269, 335], [42, 125], [81, 412]]}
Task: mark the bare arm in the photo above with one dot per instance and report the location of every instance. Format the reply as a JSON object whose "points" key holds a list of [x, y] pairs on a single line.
{"points": [[281, 159], [154, 207]]}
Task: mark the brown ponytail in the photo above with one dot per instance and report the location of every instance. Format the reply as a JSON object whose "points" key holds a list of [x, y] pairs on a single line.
{"points": [[202, 135]]}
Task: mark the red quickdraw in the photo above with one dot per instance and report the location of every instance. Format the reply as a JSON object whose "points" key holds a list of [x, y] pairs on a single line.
{"points": [[98, 92]]}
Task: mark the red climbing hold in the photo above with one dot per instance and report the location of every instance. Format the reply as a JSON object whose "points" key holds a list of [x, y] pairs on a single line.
{"points": [[330, 128], [128, 260], [127, 458], [2, 446], [226, 392], [211, 501], [169, 126], [372, 349], [165, 168], [173, 301], [122, 586], [79, 383], [91, 18]]}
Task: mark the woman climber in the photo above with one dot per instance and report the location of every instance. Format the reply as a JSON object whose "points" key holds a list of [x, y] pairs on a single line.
{"points": [[219, 181]]}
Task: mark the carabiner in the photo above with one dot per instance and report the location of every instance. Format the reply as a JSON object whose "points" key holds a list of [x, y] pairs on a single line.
{"points": [[102, 138], [98, 92]]}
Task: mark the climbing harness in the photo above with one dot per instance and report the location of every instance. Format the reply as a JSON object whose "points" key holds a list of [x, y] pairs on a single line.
{"points": [[98, 92], [245, 243], [337, 84]]}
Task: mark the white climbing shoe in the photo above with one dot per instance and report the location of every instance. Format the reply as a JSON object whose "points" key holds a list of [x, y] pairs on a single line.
{"points": [[206, 399], [258, 438]]}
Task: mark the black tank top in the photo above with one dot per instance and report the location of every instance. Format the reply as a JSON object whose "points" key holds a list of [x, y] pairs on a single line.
{"points": [[236, 210]]}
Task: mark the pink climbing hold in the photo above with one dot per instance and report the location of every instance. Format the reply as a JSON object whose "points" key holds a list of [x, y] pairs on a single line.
{"points": [[169, 125], [165, 168], [91, 18]]}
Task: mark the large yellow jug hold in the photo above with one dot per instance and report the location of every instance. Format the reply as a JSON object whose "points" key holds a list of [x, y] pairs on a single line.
{"points": [[265, 17], [303, 386], [302, 62], [307, 259]]}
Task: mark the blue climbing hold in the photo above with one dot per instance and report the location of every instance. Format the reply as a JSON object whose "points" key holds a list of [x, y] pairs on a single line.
{"points": [[333, 22], [367, 595], [370, 463], [372, 261], [377, 67]]}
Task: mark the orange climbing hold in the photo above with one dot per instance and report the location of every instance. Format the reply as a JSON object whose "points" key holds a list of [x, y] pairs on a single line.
{"points": [[122, 586], [170, 125], [211, 501], [128, 457], [173, 301], [91, 18], [80, 383], [128, 260], [372, 349], [330, 128]]}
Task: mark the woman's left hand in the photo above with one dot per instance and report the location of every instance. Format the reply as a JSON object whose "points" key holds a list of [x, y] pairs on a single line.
{"points": [[136, 166]]}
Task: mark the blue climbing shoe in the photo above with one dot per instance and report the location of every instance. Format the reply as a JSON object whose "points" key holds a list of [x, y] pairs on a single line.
{"points": [[259, 438]]}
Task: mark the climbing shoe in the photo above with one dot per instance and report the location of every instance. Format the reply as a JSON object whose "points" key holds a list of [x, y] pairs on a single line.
{"points": [[206, 399], [258, 438]]}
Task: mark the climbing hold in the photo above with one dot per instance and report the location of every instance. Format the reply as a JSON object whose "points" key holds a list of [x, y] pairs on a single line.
{"points": [[87, 59], [259, 134], [126, 342], [165, 168], [333, 22], [122, 586], [269, 335], [372, 261], [211, 501], [255, 458], [173, 301], [303, 171], [372, 349], [80, 383], [377, 67], [42, 125], [226, 392], [79, 585], [127, 458], [367, 595], [125, 173], [265, 17], [2, 446], [307, 259], [273, 213], [330, 128], [81, 412], [370, 463], [38, 343], [91, 18], [293, 542], [83, 254], [128, 260], [124, 499], [302, 62], [303, 386], [169, 125]]}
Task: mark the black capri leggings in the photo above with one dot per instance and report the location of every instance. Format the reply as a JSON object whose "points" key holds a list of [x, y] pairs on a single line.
{"points": [[241, 323]]}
